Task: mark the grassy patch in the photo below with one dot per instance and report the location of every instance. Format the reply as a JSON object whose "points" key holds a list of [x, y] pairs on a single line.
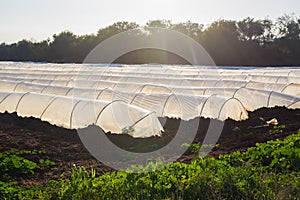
{"points": [[269, 170]]}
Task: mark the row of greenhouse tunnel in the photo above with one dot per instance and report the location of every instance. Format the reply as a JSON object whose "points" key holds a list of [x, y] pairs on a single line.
{"points": [[131, 98]]}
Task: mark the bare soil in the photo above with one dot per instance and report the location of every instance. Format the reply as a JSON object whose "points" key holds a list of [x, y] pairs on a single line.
{"points": [[65, 148]]}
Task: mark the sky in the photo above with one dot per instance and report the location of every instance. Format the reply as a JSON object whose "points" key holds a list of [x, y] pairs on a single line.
{"points": [[37, 20]]}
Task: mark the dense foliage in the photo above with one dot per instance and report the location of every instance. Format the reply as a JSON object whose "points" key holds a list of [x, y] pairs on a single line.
{"points": [[245, 42], [14, 166], [267, 171]]}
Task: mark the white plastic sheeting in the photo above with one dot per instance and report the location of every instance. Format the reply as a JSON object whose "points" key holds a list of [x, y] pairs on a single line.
{"points": [[181, 87], [75, 113], [161, 91], [171, 102], [168, 104]]}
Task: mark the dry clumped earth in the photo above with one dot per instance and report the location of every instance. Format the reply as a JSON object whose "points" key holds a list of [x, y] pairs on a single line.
{"points": [[65, 148]]}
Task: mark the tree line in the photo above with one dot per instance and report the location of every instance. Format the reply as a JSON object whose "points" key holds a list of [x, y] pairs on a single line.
{"points": [[246, 42]]}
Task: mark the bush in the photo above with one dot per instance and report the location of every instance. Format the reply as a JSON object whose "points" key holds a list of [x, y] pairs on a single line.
{"points": [[14, 166]]}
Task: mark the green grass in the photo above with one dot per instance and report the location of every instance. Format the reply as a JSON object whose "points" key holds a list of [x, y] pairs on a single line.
{"points": [[269, 170]]}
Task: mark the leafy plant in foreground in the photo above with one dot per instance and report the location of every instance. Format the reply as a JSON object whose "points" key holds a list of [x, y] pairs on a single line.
{"points": [[267, 171], [13, 166]]}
